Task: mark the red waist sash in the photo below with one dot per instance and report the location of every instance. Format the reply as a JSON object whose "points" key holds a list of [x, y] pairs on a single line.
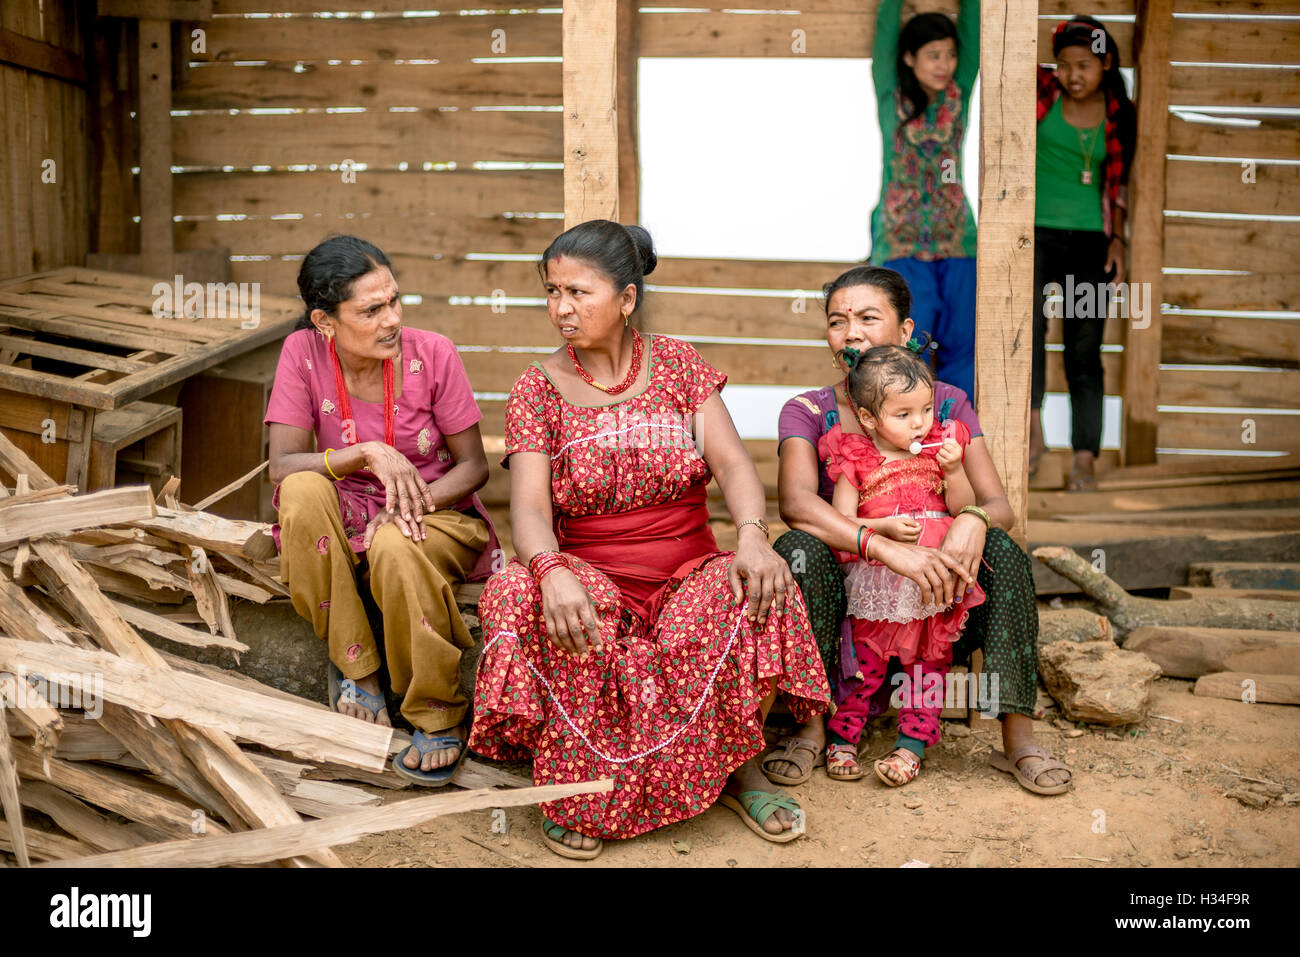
{"points": [[644, 549]]}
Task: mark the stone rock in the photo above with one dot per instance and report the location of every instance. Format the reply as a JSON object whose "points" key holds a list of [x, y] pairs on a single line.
{"points": [[1096, 682], [1249, 798]]}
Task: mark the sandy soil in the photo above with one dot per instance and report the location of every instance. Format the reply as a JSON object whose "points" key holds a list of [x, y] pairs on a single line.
{"points": [[1148, 795]]}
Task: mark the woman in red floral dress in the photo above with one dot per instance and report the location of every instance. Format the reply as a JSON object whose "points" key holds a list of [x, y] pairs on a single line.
{"points": [[621, 642]]}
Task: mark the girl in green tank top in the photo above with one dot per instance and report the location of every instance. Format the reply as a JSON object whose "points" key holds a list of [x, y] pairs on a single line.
{"points": [[1086, 136]]}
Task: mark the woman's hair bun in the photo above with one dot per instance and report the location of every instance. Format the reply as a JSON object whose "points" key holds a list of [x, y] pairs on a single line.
{"points": [[645, 247]]}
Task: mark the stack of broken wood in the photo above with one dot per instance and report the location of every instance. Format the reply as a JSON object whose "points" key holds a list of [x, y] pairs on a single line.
{"points": [[1238, 642], [157, 760]]}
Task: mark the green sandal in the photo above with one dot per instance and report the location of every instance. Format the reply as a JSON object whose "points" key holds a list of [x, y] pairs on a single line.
{"points": [[755, 807], [553, 835]]}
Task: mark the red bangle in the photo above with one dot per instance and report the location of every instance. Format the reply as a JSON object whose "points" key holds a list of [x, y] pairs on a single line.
{"points": [[545, 562], [863, 546]]}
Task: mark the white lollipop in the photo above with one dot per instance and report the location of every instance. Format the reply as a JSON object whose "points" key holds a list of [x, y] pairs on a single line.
{"points": [[915, 447]]}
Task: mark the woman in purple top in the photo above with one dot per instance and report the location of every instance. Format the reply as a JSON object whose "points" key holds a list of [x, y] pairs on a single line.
{"points": [[376, 448], [870, 306]]}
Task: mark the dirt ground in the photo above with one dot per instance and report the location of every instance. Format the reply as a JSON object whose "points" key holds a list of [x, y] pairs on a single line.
{"points": [[1149, 795]]}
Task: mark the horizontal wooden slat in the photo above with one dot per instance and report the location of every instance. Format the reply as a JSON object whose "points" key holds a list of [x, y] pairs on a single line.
{"points": [[444, 234], [1225, 244], [1230, 341], [1272, 139], [497, 371], [379, 192], [1219, 188], [1228, 431], [450, 276], [719, 33], [1272, 389], [1235, 41], [1238, 7], [1256, 291], [430, 85], [372, 138], [1233, 86], [1045, 7], [449, 37]]}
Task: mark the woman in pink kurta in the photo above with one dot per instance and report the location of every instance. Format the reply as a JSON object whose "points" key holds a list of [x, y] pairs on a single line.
{"points": [[376, 449]]}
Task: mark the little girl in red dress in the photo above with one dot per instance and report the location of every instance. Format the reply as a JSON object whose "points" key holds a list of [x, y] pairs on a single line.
{"points": [[906, 476]]}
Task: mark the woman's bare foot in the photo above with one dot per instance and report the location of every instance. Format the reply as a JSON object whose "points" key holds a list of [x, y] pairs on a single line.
{"points": [[1037, 448], [1018, 732], [815, 731], [750, 777], [353, 708], [1082, 478], [435, 759]]}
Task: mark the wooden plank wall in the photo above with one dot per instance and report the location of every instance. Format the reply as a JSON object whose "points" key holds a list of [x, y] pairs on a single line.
{"points": [[452, 124], [277, 103], [44, 224], [1232, 173]]}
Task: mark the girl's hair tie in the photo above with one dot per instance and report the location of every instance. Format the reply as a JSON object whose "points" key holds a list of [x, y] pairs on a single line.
{"points": [[851, 357]]}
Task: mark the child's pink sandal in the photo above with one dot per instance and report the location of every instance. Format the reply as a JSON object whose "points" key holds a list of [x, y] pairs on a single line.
{"points": [[843, 756], [903, 762]]}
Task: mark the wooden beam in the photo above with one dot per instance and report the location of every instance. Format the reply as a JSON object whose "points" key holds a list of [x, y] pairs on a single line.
{"points": [[41, 57], [157, 9], [157, 244], [590, 111], [629, 165], [1155, 24], [1004, 298], [58, 516], [252, 847]]}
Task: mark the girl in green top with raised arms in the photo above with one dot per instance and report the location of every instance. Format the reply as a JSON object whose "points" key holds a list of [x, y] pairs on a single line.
{"points": [[923, 227]]}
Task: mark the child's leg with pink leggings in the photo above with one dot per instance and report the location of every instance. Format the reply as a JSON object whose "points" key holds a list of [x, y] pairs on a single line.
{"points": [[851, 716], [918, 715]]}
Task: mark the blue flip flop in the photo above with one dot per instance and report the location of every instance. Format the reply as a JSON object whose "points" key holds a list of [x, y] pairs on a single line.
{"points": [[423, 744], [341, 687]]}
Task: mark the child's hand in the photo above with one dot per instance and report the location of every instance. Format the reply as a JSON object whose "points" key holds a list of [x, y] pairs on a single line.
{"points": [[898, 527], [949, 455]]}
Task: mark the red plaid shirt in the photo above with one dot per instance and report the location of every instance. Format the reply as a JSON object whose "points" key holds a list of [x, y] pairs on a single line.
{"points": [[1120, 136]]}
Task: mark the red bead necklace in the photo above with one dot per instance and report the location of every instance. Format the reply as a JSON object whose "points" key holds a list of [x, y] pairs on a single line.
{"points": [[633, 371], [345, 401]]}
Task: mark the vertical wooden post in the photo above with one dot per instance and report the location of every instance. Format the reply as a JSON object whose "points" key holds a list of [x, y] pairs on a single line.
{"points": [[629, 167], [157, 242], [1155, 23], [1004, 321], [590, 111]]}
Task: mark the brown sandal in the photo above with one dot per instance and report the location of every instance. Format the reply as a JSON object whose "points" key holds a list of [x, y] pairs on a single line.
{"points": [[809, 757], [1010, 763], [901, 760]]}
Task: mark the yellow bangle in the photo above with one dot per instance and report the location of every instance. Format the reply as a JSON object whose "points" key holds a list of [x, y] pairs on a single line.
{"points": [[327, 466], [976, 510]]}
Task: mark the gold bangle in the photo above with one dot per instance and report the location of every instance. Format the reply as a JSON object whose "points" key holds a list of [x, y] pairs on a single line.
{"points": [[327, 466], [754, 521], [976, 510]]}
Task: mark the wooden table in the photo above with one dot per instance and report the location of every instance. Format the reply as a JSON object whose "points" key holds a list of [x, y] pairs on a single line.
{"points": [[98, 345]]}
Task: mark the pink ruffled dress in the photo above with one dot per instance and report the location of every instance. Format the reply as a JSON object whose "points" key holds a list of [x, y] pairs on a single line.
{"points": [[904, 627]]}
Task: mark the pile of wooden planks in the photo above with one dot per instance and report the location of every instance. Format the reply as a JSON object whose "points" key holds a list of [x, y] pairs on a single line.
{"points": [[134, 757], [1235, 629]]}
